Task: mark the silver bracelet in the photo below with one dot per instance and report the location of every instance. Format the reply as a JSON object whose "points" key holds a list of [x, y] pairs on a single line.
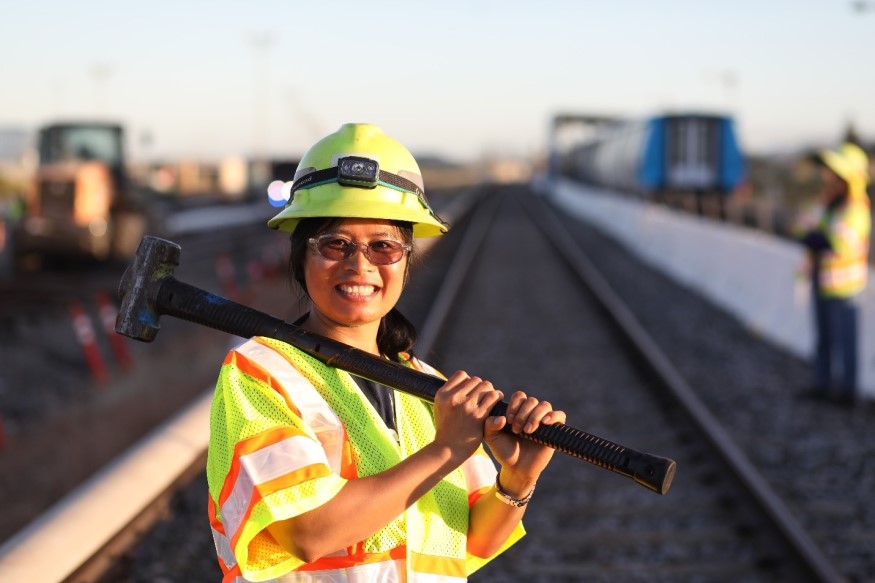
{"points": [[507, 498]]}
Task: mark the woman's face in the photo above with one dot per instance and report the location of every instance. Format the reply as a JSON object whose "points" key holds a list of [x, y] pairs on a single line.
{"points": [[354, 292]]}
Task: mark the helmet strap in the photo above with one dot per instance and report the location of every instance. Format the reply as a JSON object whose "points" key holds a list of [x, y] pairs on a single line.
{"points": [[330, 175]]}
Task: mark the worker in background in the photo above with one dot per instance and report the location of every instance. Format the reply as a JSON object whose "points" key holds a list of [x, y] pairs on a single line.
{"points": [[317, 475], [838, 245]]}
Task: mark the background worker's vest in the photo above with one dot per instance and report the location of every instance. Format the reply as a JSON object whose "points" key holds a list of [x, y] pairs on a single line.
{"points": [[843, 270], [287, 432]]}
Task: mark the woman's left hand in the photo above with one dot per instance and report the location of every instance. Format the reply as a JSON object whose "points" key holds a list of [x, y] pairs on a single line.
{"points": [[523, 457]]}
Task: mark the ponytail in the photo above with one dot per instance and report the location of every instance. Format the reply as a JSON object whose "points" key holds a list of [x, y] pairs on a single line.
{"points": [[396, 335]]}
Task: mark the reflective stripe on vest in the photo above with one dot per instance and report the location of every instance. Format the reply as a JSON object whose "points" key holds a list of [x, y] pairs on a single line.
{"points": [[264, 465], [843, 278], [383, 572]]}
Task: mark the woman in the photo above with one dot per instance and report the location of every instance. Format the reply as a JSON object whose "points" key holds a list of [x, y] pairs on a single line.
{"points": [[316, 475]]}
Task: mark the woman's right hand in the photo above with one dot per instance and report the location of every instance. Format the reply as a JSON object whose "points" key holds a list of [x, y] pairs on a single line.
{"points": [[461, 407]]}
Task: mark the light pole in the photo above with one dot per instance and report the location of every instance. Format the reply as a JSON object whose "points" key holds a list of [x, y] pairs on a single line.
{"points": [[304, 115], [261, 43], [101, 72]]}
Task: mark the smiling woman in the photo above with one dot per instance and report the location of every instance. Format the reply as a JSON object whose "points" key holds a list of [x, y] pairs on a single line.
{"points": [[318, 476]]}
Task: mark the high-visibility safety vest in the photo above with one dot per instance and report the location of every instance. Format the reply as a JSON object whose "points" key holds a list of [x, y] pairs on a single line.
{"points": [[844, 269], [286, 433]]}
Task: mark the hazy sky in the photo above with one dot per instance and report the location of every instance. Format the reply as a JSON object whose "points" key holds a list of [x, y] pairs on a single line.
{"points": [[210, 78]]}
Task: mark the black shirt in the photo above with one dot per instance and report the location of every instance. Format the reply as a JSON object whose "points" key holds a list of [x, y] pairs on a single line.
{"points": [[381, 398]]}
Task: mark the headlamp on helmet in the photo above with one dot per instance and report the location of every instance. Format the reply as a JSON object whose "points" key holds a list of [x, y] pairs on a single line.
{"points": [[358, 171]]}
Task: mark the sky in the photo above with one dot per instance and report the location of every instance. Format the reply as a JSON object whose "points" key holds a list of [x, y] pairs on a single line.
{"points": [[463, 80]]}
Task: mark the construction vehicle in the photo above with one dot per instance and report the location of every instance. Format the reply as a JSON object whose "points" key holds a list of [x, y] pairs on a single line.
{"points": [[81, 203]]}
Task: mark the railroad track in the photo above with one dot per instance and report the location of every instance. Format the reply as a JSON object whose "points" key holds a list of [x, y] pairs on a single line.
{"points": [[515, 313], [708, 526]]}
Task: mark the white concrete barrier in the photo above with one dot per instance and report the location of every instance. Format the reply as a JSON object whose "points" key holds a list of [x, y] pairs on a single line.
{"points": [[752, 275], [59, 541]]}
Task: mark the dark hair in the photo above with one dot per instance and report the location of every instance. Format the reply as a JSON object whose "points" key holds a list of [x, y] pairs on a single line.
{"points": [[396, 334]]}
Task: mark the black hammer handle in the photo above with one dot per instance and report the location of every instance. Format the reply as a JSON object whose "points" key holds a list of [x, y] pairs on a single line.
{"points": [[187, 302]]}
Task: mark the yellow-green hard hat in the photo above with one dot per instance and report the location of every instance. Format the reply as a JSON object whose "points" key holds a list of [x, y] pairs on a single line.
{"points": [[849, 162], [358, 172]]}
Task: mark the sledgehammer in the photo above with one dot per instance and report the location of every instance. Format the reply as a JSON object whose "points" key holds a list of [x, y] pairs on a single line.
{"points": [[148, 290]]}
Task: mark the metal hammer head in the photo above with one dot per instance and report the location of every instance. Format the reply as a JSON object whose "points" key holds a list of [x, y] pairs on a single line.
{"points": [[153, 264]]}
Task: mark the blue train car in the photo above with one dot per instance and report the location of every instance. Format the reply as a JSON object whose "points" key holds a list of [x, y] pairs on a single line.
{"points": [[690, 153]]}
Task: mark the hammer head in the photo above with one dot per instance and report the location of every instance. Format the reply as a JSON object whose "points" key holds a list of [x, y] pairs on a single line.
{"points": [[153, 264]]}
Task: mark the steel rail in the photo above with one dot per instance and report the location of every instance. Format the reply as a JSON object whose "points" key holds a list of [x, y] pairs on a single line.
{"points": [[483, 216]]}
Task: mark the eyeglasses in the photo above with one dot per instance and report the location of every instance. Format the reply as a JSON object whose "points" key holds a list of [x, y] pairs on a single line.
{"points": [[337, 248]]}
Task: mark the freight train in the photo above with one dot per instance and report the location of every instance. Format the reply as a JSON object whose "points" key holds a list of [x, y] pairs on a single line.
{"points": [[662, 155]]}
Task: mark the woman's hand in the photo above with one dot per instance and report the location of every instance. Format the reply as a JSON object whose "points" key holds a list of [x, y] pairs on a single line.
{"points": [[461, 408], [522, 460]]}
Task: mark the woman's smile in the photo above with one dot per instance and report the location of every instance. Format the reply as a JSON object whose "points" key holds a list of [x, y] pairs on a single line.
{"points": [[357, 292]]}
